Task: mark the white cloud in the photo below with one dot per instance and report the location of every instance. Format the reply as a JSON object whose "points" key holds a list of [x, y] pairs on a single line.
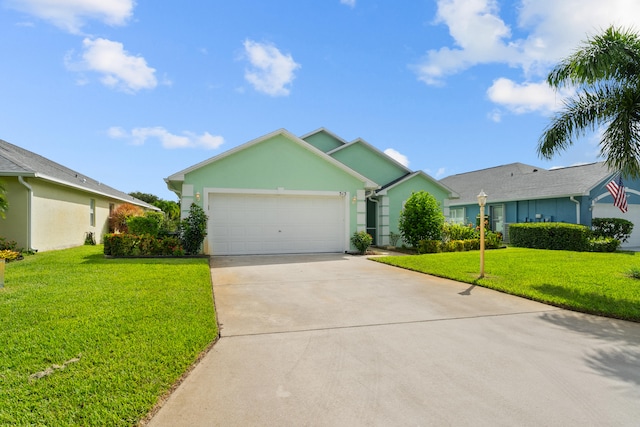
{"points": [[397, 156], [547, 30], [270, 71], [437, 174], [526, 97], [138, 136], [350, 3], [119, 69], [71, 15], [552, 29]]}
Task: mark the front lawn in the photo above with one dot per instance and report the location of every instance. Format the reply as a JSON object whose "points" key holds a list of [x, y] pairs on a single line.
{"points": [[597, 283], [91, 341]]}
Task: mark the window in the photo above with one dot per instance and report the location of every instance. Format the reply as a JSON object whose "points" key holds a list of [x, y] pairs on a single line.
{"points": [[112, 207], [456, 215], [92, 212]]}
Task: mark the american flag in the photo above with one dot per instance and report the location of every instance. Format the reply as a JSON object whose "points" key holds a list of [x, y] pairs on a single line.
{"points": [[616, 188]]}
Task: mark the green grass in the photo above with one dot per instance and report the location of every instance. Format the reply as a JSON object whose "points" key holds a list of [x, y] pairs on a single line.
{"points": [[135, 324], [596, 283]]}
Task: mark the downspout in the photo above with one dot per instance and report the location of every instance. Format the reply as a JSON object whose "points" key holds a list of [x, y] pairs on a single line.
{"points": [[577, 202], [30, 194]]}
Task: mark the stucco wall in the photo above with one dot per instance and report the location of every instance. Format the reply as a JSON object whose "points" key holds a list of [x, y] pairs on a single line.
{"points": [[392, 205], [14, 226], [369, 163], [277, 163], [61, 216], [323, 141]]}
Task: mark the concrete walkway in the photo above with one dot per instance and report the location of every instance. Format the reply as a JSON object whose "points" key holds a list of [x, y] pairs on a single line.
{"points": [[336, 340]]}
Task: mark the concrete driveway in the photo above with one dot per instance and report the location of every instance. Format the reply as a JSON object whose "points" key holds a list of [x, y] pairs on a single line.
{"points": [[337, 340]]}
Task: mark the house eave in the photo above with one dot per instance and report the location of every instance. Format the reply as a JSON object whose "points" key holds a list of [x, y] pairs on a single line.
{"points": [[131, 200]]}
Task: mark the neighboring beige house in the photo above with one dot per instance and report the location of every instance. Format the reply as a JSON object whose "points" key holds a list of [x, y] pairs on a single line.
{"points": [[52, 206]]}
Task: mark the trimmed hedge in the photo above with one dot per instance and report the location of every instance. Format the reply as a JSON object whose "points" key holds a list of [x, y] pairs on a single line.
{"points": [[131, 245], [604, 244], [550, 235], [437, 246]]}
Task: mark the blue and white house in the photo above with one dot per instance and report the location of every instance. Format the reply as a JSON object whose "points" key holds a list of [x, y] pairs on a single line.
{"points": [[523, 193]]}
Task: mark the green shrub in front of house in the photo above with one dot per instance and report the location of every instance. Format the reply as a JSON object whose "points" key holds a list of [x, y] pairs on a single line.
{"points": [[193, 230], [421, 219], [492, 240], [603, 244], [616, 228], [148, 224], [361, 240], [132, 245], [550, 235]]}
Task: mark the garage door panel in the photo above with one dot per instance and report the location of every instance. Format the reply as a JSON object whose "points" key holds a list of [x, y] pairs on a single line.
{"points": [[270, 224]]}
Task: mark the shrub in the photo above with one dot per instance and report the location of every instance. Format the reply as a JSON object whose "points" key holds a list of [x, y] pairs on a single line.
{"points": [[7, 244], [421, 219], [492, 240], [634, 273], [616, 228], [123, 245], [89, 238], [458, 232], [150, 223], [429, 246], [120, 215], [603, 244], [361, 240], [193, 230], [393, 238], [550, 235]]}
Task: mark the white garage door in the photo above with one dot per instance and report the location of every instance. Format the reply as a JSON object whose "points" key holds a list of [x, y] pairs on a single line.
{"points": [[607, 210], [243, 224]]}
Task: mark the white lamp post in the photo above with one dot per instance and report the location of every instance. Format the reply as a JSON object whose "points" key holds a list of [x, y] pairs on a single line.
{"points": [[482, 201]]}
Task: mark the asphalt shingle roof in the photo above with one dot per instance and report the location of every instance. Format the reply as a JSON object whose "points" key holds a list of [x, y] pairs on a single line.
{"points": [[518, 181], [16, 161]]}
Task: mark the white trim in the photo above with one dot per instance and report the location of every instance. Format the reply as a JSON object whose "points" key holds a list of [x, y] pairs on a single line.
{"points": [[606, 193]]}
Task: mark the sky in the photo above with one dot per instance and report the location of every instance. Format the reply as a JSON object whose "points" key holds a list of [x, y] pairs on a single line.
{"points": [[129, 92]]}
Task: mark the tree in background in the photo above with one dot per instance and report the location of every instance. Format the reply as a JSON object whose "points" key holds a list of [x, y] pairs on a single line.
{"points": [[421, 219], [605, 72], [170, 208], [145, 197]]}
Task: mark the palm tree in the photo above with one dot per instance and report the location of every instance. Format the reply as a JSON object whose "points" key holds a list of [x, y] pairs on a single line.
{"points": [[605, 72]]}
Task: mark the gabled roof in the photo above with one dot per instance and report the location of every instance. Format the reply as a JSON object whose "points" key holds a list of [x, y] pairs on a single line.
{"points": [[16, 161], [360, 141], [518, 181], [324, 131], [407, 177], [179, 176]]}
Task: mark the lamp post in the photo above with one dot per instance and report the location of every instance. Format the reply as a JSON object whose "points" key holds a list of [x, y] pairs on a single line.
{"points": [[482, 201]]}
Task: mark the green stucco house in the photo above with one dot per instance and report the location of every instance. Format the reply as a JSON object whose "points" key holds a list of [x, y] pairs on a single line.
{"points": [[281, 193]]}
